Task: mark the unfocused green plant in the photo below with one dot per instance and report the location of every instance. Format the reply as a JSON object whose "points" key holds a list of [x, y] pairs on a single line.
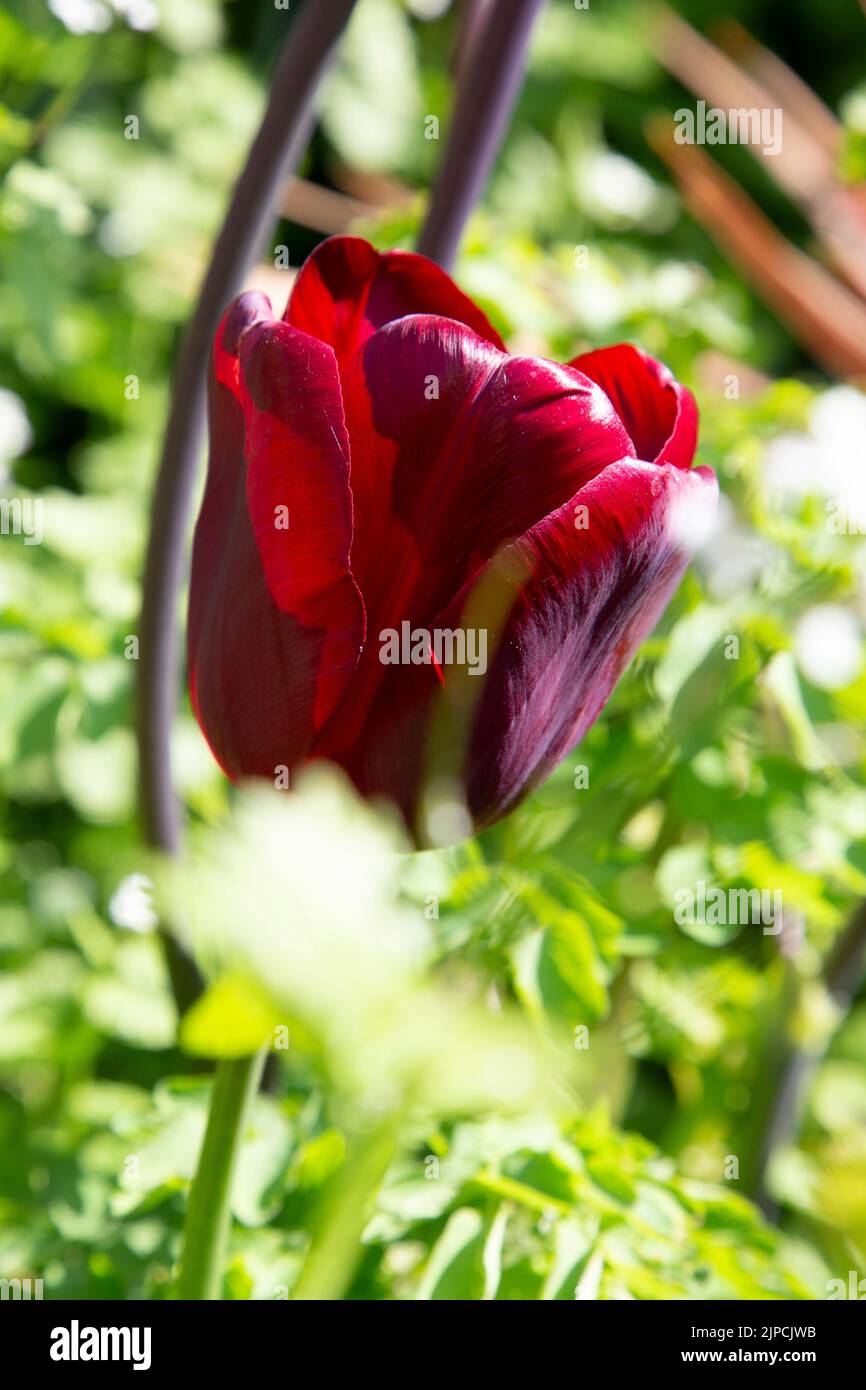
{"points": [[384, 1139]]}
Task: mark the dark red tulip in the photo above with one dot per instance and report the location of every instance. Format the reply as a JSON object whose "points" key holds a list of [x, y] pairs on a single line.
{"points": [[383, 474]]}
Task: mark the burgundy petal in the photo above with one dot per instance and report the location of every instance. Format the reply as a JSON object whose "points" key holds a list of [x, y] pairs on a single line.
{"points": [[379, 440], [586, 597], [346, 290], [276, 621], [660, 415], [457, 449]]}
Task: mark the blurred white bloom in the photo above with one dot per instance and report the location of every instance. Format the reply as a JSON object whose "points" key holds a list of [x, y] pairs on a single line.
{"points": [[34, 187], [120, 233], [446, 817], [695, 519], [730, 557], [300, 890], [735, 561], [674, 283], [139, 14], [598, 301], [829, 646], [131, 905], [853, 110], [16, 435], [829, 461], [790, 465], [303, 883], [617, 192], [82, 16], [94, 16]]}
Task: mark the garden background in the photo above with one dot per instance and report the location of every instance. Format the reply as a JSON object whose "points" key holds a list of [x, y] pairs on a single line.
{"points": [[502, 1070]]}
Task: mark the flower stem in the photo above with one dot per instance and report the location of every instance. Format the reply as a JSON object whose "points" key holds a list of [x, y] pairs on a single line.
{"points": [[276, 150], [345, 1207], [490, 80], [208, 1215]]}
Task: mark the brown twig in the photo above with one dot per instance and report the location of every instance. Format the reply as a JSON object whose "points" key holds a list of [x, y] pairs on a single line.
{"points": [[822, 313], [804, 165]]}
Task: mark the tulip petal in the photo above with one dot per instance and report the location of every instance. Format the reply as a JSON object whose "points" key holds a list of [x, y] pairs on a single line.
{"points": [[346, 290], [457, 449], [585, 600], [660, 415], [562, 612], [276, 621]]}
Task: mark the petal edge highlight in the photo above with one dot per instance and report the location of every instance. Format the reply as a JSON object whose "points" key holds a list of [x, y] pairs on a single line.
{"points": [[346, 290], [272, 644], [660, 415], [585, 599]]}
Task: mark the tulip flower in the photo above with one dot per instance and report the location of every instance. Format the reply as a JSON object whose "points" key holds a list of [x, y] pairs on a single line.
{"points": [[395, 505]]}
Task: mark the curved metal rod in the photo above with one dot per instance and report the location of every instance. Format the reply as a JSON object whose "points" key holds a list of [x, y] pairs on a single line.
{"points": [[490, 78], [276, 150]]}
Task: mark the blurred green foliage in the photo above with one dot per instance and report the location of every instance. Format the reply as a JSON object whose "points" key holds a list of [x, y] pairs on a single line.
{"points": [[614, 1176]]}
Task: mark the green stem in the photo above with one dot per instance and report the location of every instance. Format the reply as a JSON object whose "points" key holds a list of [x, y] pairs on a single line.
{"points": [[206, 1229], [336, 1239]]}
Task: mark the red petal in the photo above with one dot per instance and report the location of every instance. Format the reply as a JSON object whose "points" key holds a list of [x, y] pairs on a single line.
{"points": [[346, 290], [456, 449], [586, 600], [441, 484], [275, 618], [660, 415]]}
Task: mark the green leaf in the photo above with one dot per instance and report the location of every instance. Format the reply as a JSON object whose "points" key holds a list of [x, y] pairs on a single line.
{"points": [[455, 1269], [233, 1018], [557, 973]]}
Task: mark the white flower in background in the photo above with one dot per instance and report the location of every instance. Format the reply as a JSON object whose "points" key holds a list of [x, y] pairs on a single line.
{"points": [[16, 436], [302, 884], [300, 892], [82, 16], [674, 283], [618, 193], [853, 110], [95, 16], [829, 461], [829, 646], [695, 519], [730, 557], [139, 14], [120, 233], [131, 905]]}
